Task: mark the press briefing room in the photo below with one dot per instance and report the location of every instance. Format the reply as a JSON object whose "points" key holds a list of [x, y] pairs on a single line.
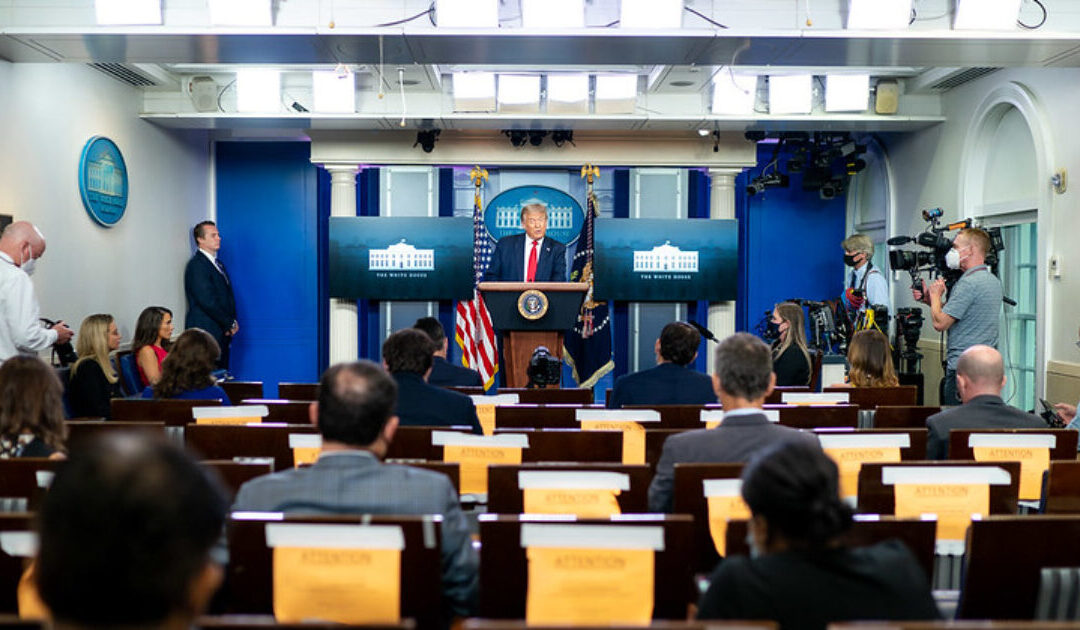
{"points": [[494, 314]]}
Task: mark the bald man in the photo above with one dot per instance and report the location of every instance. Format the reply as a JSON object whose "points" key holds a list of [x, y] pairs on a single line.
{"points": [[21, 245], [980, 377]]}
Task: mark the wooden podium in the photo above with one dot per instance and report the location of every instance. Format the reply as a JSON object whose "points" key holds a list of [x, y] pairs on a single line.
{"points": [[531, 314]]}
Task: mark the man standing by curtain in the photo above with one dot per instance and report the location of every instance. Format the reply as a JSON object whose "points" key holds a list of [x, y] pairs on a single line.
{"points": [[211, 305]]}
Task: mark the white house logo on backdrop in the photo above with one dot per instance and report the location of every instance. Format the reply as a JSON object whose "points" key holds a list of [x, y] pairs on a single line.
{"points": [[502, 216], [401, 257], [665, 258], [103, 181]]}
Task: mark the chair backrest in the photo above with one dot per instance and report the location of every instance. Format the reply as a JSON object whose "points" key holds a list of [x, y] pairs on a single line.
{"points": [[1064, 441], [267, 622], [534, 416], [24, 482], [916, 449], [235, 474], [172, 411], [415, 443], [1062, 494], [776, 396], [239, 390], [678, 416], [504, 570], [1004, 559], [1059, 594], [250, 571], [520, 624], [130, 380], [297, 391], [280, 409], [11, 567], [876, 497], [871, 397], [568, 445], [79, 431], [815, 369], [689, 498], [215, 442], [817, 416], [654, 444], [538, 396], [902, 416], [505, 496]]}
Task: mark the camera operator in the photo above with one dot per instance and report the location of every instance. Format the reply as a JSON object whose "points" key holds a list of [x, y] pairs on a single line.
{"points": [[866, 285], [20, 331], [973, 308]]}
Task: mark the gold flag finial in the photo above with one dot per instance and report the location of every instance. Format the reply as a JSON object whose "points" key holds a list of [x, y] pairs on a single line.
{"points": [[589, 171], [478, 175]]}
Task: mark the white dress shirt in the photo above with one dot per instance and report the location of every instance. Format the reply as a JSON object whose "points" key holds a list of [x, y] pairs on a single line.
{"points": [[528, 249], [20, 328]]}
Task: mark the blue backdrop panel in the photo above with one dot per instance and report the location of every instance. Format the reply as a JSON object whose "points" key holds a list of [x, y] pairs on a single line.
{"points": [[267, 212], [789, 244]]}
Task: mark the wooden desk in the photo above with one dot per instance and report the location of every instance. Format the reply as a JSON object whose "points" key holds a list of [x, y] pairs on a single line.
{"points": [[906, 416], [878, 498], [776, 396], [1062, 494], [917, 439], [817, 416], [568, 445], [20, 479], [1064, 448], [82, 431], [654, 445], [689, 498], [267, 622], [219, 441], [872, 397], [298, 391], [282, 410], [239, 390], [505, 497], [546, 396], [529, 416], [173, 412]]}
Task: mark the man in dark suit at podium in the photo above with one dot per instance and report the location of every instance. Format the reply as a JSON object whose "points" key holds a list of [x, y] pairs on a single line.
{"points": [[407, 356], [529, 257], [211, 305], [444, 373], [672, 381]]}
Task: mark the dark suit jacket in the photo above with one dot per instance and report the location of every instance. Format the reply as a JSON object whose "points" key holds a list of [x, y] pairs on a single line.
{"points": [[424, 405], [981, 412], [665, 384], [355, 482], [446, 374], [211, 305], [508, 260], [735, 440]]}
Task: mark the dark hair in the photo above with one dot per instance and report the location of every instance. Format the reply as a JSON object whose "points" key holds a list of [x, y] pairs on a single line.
{"points": [[189, 365], [147, 327], [679, 343], [432, 327], [744, 366], [355, 401], [871, 361], [794, 485], [408, 350], [31, 401], [197, 231], [125, 528]]}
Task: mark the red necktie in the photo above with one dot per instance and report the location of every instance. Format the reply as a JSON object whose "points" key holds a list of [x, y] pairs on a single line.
{"points": [[530, 274]]}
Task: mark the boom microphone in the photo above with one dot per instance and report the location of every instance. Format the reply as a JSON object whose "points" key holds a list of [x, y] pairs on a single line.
{"points": [[705, 332], [900, 240]]}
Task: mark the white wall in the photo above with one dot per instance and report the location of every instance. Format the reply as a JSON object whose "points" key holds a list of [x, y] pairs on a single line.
{"points": [[47, 113], [927, 173]]}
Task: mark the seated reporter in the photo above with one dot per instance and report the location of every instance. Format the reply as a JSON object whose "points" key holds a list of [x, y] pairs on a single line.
{"points": [[187, 372], [791, 357], [94, 381], [407, 355], [151, 342], [799, 574], [31, 409], [870, 361], [673, 381], [443, 373]]}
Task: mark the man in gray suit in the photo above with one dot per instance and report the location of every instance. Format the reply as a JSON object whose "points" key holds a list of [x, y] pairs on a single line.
{"points": [[743, 379], [980, 377], [354, 414]]}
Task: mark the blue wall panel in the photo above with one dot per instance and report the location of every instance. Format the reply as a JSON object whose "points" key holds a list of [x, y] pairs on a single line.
{"points": [[789, 244], [267, 211]]}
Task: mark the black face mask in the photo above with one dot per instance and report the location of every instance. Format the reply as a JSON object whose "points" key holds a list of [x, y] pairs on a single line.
{"points": [[772, 331], [849, 260]]}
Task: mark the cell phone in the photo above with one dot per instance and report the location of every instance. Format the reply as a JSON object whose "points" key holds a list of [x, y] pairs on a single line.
{"points": [[1051, 415]]}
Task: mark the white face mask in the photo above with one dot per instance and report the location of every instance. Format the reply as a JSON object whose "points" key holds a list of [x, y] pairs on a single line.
{"points": [[952, 259], [28, 265]]}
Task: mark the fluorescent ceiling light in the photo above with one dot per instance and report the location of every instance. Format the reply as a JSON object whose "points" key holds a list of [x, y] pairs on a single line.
{"points": [[879, 14], [474, 92], [240, 13], [519, 92], [790, 94], [616, 93], [734, 94], [128, 11], [651, 14], [568, 94], [553, 13], [333, 92], [847, 92], [987, 15], [467, 13], [258, 90]]}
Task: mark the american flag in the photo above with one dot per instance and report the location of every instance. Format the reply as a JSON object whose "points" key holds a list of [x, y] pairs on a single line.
{"points": [[472, 329]]}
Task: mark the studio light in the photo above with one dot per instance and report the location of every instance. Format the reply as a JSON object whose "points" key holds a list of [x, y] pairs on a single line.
{"points": [[258, 90], [519, 93], [334, 92], [474, 92], [553, 14], [467, 13], [790, 94], [518, 138], [879, 14], [111, 12], [536, 137], [240, 13], [616, 93], [847, 92], [426, 139], [568, 94], [561, 136], [986, 15], [703, 132], [651, 14], [734, 94]]}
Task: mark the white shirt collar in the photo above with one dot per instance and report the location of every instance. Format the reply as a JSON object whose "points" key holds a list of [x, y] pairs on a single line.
{"points": [[212, 257], [6, 258], [744, 411]]}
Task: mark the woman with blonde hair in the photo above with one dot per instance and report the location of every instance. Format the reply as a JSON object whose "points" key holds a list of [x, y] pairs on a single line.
{"points": [[31, 409], [870, 360], [151, 341], [93, 380], [791, 357]]}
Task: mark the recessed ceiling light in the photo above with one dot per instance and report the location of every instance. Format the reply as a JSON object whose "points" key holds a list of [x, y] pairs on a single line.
{"points": [[681, 83]]}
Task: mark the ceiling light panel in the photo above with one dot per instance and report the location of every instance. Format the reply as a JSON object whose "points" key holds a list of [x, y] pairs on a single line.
{"points": [[334, 92], [987, 15], [110, 12], [474, 92], [734, 94], [467, 13], [847, 92], [790, 94], [616, 93], [258, 90], [879, 14], [568, 94], [240, 13], [651, 14], [553, 13], [519, 93]]}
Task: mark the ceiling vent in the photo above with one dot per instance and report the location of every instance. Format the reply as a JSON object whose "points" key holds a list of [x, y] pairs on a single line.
{"points": [[127, 73], [959, 78]]}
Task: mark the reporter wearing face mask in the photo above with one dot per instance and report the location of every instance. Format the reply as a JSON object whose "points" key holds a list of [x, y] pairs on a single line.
{"points": [[865, 285], [21, 245], [787, 334], [973, 309]]}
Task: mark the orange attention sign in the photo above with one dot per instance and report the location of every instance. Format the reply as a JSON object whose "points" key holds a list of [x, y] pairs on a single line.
{"points": [[581, 502], [633, 446], [486, 414], [850, 460], [953, 503], [1034, 461], [474, 460], [722, 510], [594, 587]]}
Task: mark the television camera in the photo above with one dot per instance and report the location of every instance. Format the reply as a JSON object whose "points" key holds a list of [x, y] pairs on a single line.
{"points": [[937, 244]]}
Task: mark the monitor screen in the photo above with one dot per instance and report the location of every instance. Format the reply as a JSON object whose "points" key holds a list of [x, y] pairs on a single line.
{"points": [[406, 258], [666, 260]]}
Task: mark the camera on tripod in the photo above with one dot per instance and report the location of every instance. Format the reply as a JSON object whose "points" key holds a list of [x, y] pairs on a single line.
{"points": [[544, 369], [909, 323]]}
